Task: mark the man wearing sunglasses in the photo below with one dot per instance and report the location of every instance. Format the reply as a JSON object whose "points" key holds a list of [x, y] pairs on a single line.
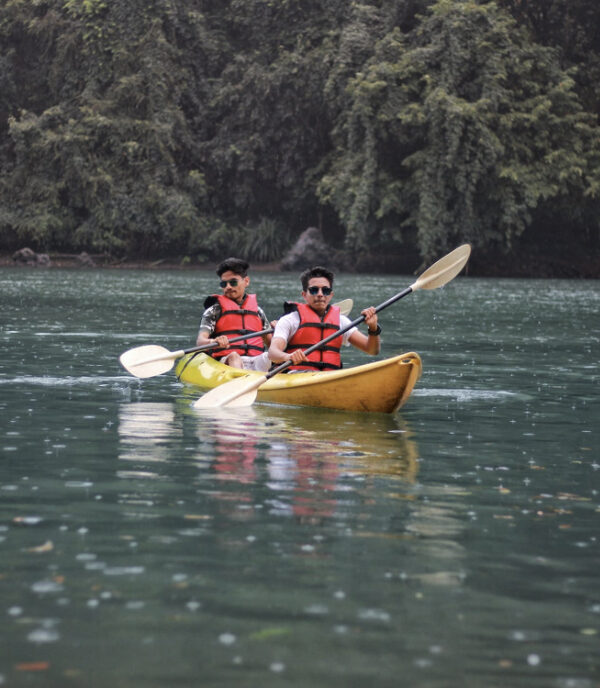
{"points": [[233, 313], [307, 323]]}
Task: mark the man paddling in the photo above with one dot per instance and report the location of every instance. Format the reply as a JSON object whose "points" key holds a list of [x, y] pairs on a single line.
{"points": [[233, 313], [307, 323]]}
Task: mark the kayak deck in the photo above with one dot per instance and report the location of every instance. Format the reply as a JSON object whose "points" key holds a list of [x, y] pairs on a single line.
{"points": [[376, 387]]}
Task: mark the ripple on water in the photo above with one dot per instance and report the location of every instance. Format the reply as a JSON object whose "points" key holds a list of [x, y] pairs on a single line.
{"points": [[49, 381], [374, 615], [135, 605], [469, 394], [47, 586], [43, 635], [124, 570], [317, 609]]}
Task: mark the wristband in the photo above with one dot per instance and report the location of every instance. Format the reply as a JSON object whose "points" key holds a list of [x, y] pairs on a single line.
{"points": [[375, 333]]}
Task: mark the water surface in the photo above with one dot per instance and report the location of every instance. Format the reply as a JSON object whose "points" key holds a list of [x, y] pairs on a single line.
{"points": [[454, 543]]}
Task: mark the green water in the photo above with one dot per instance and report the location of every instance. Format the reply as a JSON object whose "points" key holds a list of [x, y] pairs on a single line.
{"points": [[454, 543]]}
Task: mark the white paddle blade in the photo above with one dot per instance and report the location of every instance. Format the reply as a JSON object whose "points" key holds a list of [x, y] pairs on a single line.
{"points": [[345, 306], [239, 392], [444, 270], [147, 361]]}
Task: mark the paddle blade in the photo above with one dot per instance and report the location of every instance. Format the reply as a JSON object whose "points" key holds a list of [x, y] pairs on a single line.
{"points": [[345, 306], [444, 270], [147, 361], [239, 392]]}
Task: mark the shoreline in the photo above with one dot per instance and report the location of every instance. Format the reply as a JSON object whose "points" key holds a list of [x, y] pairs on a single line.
{"points": [[521, 265], [68, 261]]}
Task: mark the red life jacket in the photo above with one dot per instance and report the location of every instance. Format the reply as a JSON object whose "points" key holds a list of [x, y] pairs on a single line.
{"points": [[237, 320], [313, 328]]}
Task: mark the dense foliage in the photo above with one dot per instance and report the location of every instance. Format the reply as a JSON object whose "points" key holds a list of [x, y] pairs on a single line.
{"points": [[197, 127]]}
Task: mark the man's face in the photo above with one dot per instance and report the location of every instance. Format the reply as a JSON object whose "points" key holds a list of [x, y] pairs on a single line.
{"points": [[235, 287], [318, 301]]}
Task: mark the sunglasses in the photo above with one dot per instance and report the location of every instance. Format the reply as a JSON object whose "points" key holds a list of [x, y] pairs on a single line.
{"points": [[315, 290], [224, 283]]}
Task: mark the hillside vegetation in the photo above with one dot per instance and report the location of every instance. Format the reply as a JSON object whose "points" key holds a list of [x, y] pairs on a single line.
{"points": [[199, 128]]}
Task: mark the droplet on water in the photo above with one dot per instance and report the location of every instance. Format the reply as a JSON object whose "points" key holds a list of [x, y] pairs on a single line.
{"points": [[43, 635]]}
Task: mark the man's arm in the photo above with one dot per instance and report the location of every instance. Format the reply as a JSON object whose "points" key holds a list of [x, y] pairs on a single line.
{"points": [[369, 343], [205, 338], [278, 354], [284, 330], [207, 327]]}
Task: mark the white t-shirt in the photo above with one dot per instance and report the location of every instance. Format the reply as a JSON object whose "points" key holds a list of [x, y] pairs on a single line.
{"points": [[288, 325]]}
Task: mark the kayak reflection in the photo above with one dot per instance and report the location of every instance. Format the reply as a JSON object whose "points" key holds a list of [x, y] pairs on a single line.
{"points": [[229, 466], [310, 458], [369, 444]]}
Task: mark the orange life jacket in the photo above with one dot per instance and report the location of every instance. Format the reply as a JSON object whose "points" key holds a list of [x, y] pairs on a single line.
{"points": [[313, 328], [237, 320]]}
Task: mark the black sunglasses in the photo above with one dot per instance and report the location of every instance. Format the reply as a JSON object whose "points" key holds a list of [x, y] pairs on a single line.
{"points": [[315, 290], [224, 283]]}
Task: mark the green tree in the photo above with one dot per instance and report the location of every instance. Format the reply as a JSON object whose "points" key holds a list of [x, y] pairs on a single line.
{"points": [[572, 26], [459, 130], [101, 162], [270, 125]]}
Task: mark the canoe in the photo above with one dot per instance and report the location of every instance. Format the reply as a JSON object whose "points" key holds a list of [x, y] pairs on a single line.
{"points": [[377, 387]]}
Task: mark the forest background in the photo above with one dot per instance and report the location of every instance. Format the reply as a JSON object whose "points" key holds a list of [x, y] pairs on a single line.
{"points": [[200, 128]]}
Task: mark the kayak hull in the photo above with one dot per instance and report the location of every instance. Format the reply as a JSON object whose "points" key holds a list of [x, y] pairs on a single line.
{"points": [[376, 387]]}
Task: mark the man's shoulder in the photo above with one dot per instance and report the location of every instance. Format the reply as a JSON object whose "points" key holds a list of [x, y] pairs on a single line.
{"points": [[211, 300], [289, 317], [287, 325], [212, 310]]}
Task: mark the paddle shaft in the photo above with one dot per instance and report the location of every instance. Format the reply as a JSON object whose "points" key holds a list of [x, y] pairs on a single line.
{"points": [[202, 347], [343, 330], [248, 335]]}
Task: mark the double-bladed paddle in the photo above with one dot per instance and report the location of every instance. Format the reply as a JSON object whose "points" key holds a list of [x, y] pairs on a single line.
{"points": [[153, 359], [243, 390]]}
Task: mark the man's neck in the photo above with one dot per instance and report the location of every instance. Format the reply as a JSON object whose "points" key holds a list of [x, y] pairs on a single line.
{"points": [[239, 301], [322, 313]]}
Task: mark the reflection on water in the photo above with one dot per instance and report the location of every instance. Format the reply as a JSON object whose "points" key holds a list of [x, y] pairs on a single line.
{"points": [[145, 430], [308, 459], [301, 463]]}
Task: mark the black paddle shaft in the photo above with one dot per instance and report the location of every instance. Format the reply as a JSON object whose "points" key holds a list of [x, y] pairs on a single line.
{"points": [[205, 347], [354, 323]]}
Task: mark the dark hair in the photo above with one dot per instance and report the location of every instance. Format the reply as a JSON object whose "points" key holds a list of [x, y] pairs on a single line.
{"points": [[236, 265], [317, 271]]}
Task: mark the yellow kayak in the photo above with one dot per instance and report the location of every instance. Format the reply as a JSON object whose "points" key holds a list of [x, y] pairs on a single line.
{"points": [[377, 387]]}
